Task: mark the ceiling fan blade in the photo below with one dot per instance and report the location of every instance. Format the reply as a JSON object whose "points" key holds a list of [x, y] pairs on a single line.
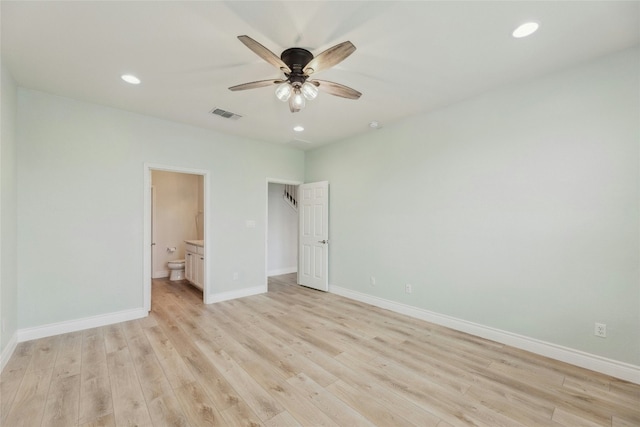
{"points": [[254, 85], [336, 89], [329, 57], [264, 53]]}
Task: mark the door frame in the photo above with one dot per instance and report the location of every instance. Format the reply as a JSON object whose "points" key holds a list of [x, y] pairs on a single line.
{"points": [[153, 221], [266, 223], [146, 240]]}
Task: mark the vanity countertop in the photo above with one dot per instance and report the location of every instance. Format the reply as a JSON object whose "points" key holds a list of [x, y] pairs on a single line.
{"points": [[196, 242]]}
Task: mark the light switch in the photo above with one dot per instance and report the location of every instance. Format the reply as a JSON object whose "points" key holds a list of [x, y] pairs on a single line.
{"points": [[250, 223]]}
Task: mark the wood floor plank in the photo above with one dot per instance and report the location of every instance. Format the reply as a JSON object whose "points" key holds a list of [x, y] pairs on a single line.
{"points": [[197, 406], [12, 376], [297, 405], [95, 386], [279, 354], [63, 402], [621, 422], [240, 415], [329, 404], [103, 421], [114, 339], [432, 397], [566, 418], [69, 358], [164, 407], [44, 353], [283, 419], [256, 397], [369, 407], [166, 410], [152, 379], [175, 369], [129, 404], [29, 403], [95, 397], [295, 357], [206, 374]]}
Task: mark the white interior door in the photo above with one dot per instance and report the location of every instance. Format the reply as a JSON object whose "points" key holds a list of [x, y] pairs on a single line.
{"points": [[313, 257]]}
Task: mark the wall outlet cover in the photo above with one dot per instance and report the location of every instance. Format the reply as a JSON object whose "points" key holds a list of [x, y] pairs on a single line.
{"points": [[600, 330]]}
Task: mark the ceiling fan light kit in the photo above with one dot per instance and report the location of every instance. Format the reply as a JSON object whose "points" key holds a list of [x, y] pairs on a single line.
{"points": [[296, 102], [298, 64], [309, 90], [283, 92]]}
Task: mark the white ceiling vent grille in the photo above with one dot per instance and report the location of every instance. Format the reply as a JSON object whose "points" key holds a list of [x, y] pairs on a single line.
{"points": [[226, 114]]}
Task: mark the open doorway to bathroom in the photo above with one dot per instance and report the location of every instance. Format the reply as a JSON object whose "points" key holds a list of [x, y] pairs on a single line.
{"points": [[175, 225], [282, 231], [178, 216]]}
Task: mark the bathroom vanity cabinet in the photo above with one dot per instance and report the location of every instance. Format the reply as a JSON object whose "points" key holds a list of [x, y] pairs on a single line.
{"points": [[194, 262]]}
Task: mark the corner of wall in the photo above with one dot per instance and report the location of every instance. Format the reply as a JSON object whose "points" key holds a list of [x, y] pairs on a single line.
{"points": [[8, 214], [7, 351]]}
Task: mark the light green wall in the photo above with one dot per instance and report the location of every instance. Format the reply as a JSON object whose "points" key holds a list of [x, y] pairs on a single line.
{"points": [[80, 204], [516, 210], [8, 212]]}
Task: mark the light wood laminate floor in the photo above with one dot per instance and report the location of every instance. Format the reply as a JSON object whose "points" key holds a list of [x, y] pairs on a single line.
{"points": [[295, 356]]}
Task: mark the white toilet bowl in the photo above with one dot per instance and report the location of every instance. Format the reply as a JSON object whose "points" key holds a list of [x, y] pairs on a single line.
{"points": [[176, 268]]}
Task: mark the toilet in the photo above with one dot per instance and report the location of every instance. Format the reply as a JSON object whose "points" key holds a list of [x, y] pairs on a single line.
{"points": [[176, 267]]}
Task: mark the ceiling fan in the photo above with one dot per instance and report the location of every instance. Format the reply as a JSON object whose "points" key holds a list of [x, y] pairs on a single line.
{"points": [[298, 65]]}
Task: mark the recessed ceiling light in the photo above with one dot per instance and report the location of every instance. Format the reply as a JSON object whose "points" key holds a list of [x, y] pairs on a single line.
{"points": [[525, 30], [130, 78], [298, 128]]}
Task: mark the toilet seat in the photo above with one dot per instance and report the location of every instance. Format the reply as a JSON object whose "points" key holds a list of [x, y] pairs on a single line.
{"points": [[177, 264]]}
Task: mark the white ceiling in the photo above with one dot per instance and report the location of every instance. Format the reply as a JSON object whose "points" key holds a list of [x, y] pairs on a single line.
{"points": [[411, 57]]}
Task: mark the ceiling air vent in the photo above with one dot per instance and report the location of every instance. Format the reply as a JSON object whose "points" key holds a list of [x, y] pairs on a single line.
{"points": [[225, 114]]}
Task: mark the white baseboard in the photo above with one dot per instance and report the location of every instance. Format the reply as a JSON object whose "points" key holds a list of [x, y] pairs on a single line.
{"points": [[160, 274], [280, 271], [8, 351], [593, 362], [240, 293], [79, 324]]}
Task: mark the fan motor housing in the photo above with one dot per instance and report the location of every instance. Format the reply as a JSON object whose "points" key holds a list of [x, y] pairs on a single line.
{"points": [[296, 58]]}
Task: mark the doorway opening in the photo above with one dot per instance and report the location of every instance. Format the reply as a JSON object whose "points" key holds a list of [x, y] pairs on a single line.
{"points": [[312, 241], [175, 209], [282, 228]]}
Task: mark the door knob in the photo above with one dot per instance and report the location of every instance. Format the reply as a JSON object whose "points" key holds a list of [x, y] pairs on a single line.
{"points": [[324, 242]]}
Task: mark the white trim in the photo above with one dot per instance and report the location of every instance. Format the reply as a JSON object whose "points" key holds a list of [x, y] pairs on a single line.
{"points": [[579, 358], [280, 271], [146, 261], [152, 251], [80, 324], [240, 293], [8, 351]]}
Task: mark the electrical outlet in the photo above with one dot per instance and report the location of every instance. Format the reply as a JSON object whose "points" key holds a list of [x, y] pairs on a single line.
{"points": [[372, 280], [601, 330], [407, 288], [235, 276]]}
